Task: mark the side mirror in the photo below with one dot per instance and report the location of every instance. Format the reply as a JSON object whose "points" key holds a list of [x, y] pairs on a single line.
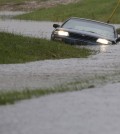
{"points": [[56, 25], [118, 39], [118, 31]]}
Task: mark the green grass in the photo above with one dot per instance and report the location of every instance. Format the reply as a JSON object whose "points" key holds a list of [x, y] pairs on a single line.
{"points": [[10, 97], [13, 96], [19, 49], [92, 9]]}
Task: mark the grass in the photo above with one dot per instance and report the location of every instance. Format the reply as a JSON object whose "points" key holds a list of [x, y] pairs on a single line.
{"points": [[10, 97], [92, 9], [19, 49]]}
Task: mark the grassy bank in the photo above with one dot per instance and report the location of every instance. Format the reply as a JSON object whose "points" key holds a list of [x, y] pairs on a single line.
{"points": [[93, 9], [13, 96], [10, 97], [18, 49]]}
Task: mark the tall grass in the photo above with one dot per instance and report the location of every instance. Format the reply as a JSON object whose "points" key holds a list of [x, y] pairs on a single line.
{"points": [[92, 9], [19, 49], [10, 97]]}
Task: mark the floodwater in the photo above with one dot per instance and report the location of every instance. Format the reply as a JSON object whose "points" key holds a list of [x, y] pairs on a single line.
{"points": [[40, 29], [92, 111], [50, 73], [84, 112], [27, 28]]}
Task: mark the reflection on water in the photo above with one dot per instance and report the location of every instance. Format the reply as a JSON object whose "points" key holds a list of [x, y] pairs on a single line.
{"points": [[103, 48], [97, 48]]}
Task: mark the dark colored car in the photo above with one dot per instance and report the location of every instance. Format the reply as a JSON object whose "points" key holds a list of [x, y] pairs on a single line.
{"points": [[81, 31]]}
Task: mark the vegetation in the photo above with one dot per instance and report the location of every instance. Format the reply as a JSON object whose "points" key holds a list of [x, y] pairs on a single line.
{"points": [[84, 9], [18, 49], [10, 97]]}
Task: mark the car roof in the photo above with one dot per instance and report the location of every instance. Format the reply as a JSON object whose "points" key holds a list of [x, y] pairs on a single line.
{"points": [[100, 22]]}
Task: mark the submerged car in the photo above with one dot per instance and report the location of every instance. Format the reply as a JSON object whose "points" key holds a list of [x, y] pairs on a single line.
{"points": [[80, 31]]}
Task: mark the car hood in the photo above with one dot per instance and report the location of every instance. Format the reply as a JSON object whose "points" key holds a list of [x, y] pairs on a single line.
{"points": [[87, 33]]}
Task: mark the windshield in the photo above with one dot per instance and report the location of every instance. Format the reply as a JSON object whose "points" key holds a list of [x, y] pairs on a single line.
{"points": [[90, 26]]}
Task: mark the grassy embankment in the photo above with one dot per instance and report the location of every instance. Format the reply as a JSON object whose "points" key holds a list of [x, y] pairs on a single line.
{"points": [[18, 49], [10, 97], [93, 9]]}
